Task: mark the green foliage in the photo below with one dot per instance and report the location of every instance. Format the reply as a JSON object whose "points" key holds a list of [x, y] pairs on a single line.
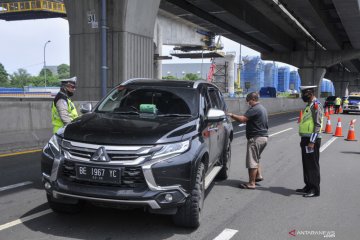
{"points": [[20, 78], [63, 71], [191, 76], [48, 73], [4, 77], [170, 77]]}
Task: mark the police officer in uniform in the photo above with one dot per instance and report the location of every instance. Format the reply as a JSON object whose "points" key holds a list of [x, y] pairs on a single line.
{"points": [[309, 130], [63, 110]]}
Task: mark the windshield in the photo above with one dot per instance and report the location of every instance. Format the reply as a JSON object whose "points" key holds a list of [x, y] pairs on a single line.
{"points": [[354, 98], [161, 102]]}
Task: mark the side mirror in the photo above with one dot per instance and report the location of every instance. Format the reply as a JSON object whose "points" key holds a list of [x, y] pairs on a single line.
{"points": [[215, 115], [85, 108]]}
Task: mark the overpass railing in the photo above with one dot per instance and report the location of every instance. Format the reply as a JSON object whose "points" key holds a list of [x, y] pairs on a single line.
{"points": [[37, 5]]}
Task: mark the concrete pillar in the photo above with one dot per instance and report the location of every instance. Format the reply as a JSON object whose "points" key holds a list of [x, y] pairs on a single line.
{"points": [[312, 76], [230, 58], [341, 88], [129, 39], [158, 50]]}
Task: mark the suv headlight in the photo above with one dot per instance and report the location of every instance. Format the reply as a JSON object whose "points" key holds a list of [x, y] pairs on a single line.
{"points": [[171, 150], [54, 144]]}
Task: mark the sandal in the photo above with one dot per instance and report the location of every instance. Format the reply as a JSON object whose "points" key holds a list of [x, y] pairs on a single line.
{"points": [[259, 179], [245, 186]]}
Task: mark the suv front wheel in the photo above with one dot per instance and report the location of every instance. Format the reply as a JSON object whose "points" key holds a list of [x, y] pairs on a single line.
{"points": [[188, 215]]}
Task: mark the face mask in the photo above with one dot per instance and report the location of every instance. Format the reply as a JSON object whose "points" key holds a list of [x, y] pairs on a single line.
{"points": [[70, 94], [305, 98]]}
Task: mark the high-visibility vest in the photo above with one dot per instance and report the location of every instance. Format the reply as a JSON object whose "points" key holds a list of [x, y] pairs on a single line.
{"points": [[338, 101], [56, 120], [307, 125]]}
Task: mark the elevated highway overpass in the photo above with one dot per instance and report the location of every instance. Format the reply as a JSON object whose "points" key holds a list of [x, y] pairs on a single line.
{"points": [[320, 37]]}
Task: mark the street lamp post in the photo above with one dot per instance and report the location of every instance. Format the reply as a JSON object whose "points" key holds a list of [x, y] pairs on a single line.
{"points": [[45, 62]]}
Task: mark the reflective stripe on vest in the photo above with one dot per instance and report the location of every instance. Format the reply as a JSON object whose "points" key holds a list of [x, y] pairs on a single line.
{"points": [[56, 120]]}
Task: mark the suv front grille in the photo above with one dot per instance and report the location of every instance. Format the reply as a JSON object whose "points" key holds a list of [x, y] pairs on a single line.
{"points": [[131, 177], [114, 155]]}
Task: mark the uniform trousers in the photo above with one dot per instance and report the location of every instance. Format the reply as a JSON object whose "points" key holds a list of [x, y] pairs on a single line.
{"points": [[311, 166]]}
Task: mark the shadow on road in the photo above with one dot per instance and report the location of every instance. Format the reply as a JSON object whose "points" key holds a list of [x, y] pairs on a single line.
{"points": [[278, 190], [105, 223], [350, 152]]}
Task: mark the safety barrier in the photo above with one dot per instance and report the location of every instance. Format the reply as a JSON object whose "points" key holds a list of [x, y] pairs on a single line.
{"points": [[26, 123], [37, 5]]}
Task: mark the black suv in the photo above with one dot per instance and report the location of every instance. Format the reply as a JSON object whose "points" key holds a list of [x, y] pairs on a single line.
{"points": [[330, 101], [155, 144]]}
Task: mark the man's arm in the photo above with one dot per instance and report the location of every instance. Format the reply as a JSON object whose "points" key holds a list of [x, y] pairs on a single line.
{"points": [[317, 114], [239, 118], [62, 108]]}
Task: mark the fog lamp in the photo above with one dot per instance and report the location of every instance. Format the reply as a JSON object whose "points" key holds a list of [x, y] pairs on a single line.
{"points": [[168, 197], [47, 185]]}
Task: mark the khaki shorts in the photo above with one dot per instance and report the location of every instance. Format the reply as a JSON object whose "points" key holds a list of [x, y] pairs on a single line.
{"points": [[255, 146]]}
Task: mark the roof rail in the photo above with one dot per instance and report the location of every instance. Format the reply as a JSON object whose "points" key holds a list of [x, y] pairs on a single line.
{"points": [[134, 79]]}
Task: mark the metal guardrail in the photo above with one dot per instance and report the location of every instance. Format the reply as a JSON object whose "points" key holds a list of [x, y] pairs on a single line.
{"points": [[38, 5]]}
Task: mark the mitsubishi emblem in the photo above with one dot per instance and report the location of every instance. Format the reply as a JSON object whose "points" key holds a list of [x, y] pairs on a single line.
{"points": [[100, 155]]}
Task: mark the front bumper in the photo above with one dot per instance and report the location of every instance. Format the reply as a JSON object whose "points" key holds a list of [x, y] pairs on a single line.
{"points": [[161, 179], [351, 108]]}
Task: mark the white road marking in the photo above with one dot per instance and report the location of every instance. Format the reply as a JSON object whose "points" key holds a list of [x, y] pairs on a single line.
{"points": [[280, 132], [242, 124], [239, 132], [226, 234], [24, 219], [323, 147], [293, 118], [15, 186]]}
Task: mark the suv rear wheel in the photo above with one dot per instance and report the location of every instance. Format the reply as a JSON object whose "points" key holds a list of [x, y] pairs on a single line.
{"points": [[64, 207], [225, 162], [188, 215]]}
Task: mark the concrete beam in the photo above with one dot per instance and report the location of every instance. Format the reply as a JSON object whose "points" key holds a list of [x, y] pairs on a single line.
{"points": [[129, 39], [312, 58], [177, 31], [245, 12]]}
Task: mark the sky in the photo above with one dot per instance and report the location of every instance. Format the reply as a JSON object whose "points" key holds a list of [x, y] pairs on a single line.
{"points": [[22, 45]]}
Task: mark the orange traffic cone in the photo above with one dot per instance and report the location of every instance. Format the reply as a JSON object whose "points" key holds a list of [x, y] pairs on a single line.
{"points": [[331, 110], [328, 128], [340, 109], [351, 132], [300, 116], [338, 130], [326, 112]]}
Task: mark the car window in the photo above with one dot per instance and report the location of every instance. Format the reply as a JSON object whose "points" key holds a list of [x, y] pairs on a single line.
{"points": [[165, 101], [354, 98], [215, 98]]}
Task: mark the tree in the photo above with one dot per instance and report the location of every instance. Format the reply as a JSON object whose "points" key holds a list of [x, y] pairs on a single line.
{"points": [[63, 71], [20, 78], [4, 76], [48, 72], [191, 76], [169, 77]]}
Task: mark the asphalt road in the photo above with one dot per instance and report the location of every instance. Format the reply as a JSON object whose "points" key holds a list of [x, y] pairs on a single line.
{"points": [[269, 212]]}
